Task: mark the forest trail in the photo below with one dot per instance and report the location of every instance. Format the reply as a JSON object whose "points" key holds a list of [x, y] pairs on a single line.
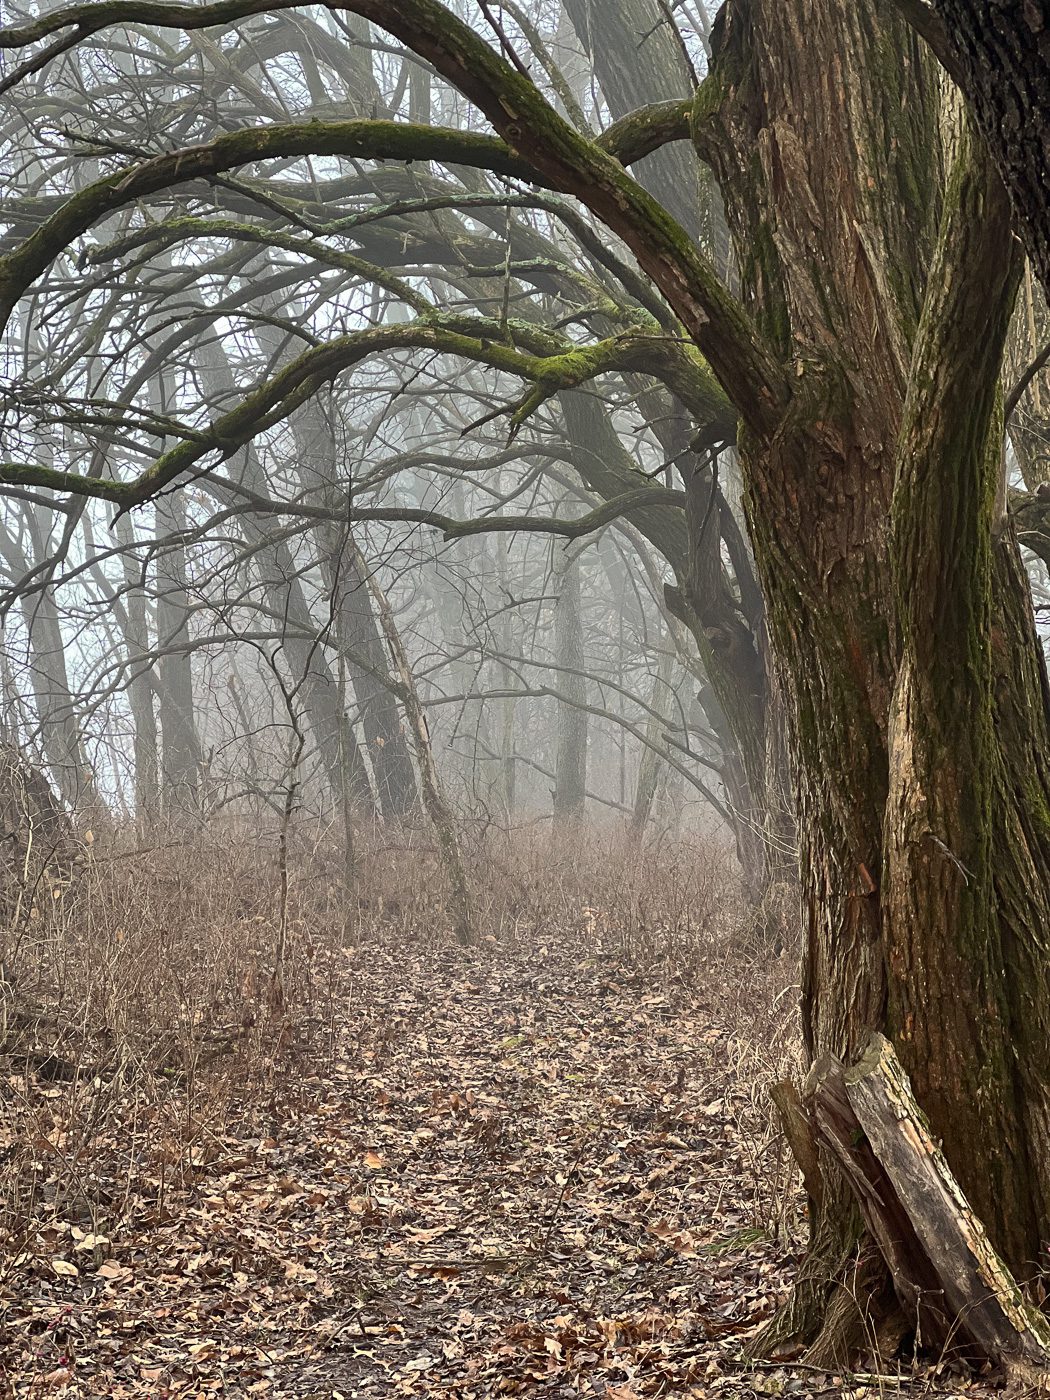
{"points": [[511, 1171]]}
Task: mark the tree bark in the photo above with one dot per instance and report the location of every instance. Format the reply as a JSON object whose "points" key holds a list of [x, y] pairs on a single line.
{"points": [[958, 997], [999, 51]]}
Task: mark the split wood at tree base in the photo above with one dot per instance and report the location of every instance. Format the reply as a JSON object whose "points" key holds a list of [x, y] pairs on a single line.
{"points": [[952, 1290]]}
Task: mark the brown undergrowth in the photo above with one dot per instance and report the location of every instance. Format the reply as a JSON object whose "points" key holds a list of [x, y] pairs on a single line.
{"points": [[544, 1164]]}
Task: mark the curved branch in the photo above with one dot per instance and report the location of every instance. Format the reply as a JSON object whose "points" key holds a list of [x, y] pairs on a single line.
{"points": [[537, 145], [755, 380], [356, 139], [1017, 393], [595, 519], [275, 399], [365, 140], [88, 19]]}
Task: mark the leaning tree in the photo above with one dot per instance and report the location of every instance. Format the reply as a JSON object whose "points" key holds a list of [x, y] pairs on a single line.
{"points": [[872, 236]]}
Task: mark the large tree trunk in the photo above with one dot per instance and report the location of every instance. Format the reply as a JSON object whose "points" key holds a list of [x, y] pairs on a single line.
{"points": [[965, 885], [924, 878], [792, 152]]}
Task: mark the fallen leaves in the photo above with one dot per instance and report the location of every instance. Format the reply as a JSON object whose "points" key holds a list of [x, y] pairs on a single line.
{"points": [[502, 1172]]}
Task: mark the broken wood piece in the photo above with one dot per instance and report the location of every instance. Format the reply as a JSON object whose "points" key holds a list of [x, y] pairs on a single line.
{"points": [[914, 1278], [947, 1275], [799, 1133]]}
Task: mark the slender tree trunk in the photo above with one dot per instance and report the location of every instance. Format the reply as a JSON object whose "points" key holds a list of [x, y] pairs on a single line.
{"points": [[509, 715], [650, 763], [437, 808], [59, 722], [570, 767], [140, 682], [323, 700], [182, 759], [387, 743], [357, 632]]}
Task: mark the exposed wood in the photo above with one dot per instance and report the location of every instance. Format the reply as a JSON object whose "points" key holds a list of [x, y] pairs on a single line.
{"points": [[799, 1132], [948, 1277]]}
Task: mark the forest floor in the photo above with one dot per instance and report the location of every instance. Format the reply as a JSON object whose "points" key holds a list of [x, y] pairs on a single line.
{"points": [[513, 1170]]}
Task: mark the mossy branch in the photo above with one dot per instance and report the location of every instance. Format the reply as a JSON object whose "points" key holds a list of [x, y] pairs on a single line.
{"points": [[569, 162], [275, 399], [537, 144], [357, 139], [364, 140]]}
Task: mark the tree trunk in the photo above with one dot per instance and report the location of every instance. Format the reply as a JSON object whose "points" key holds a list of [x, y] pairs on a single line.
{"points": [[437, 808], [570, 766], [61, 738], [968, 1008], [387, 743], [999, 51], [650, 761], [182, 759], [140, 682], [285, 597], [881, 633], [639, 60], [355, 625]]}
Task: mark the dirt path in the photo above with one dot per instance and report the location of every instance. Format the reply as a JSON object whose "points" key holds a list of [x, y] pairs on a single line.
{"points": [[523, 1172]]}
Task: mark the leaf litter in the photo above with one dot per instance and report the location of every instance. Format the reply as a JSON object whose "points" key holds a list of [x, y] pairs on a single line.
{"points": [[522, 1169]]}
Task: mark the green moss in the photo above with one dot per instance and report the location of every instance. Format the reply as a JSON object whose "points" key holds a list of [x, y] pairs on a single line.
{"points": [[763, 272]]}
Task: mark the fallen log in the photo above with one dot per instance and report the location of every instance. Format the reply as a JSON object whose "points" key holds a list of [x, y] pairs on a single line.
{"points": [[947, 1276]]}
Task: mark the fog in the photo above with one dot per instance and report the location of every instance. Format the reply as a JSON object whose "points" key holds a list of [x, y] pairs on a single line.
{"points": [[161, 657]]}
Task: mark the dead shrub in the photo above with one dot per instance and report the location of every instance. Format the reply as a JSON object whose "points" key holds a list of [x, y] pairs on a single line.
{"points": [[140, 1024]]}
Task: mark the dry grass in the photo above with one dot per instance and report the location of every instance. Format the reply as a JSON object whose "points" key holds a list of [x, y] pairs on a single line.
{"points": [[138, 1017]]}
